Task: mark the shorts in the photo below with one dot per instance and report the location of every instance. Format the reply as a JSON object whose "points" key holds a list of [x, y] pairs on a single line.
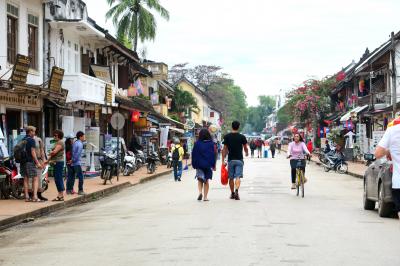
{"points": [[204, 174], [29, 170], [235, 169], [396, 198]]}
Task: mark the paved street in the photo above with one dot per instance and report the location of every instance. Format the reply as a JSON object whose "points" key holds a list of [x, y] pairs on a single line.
{"points": [[161, 223]]}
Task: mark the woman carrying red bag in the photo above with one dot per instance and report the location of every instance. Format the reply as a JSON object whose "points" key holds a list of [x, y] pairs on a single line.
{"points": [[203, 160]]}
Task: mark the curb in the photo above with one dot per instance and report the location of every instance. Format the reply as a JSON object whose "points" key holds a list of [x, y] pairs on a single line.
{"points": [[30, 216]]}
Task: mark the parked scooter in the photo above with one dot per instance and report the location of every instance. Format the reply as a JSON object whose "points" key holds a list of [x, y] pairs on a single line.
{"points": [[140, 159], [335, 161], [12, 183], [169, 160], [129, 163], [108, 162], [152, 160]]}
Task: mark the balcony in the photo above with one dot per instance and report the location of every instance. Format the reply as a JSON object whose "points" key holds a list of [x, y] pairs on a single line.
{"points": [[82, 87]]}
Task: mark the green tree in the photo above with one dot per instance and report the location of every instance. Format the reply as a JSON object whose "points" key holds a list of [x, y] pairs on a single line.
{"points": [[184, 101], [133, 18], [257, 115]]}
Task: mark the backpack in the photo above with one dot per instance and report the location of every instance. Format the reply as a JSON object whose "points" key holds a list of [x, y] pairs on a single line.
{"points": [[175, 154], [20, 154]]}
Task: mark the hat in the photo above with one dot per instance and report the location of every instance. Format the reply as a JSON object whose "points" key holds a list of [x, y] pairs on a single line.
{"points": [[70, 136]]}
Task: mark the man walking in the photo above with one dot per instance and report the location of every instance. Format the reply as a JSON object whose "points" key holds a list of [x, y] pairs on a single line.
{"points": [[77, 148], [234, 143], [177, 158], [390, 146]]}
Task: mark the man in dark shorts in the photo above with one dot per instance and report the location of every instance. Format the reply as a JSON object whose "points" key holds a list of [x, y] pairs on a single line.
{"points": [[29, 168], [234, 143]]}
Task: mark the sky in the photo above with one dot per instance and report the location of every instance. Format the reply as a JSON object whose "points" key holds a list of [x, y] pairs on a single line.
{"points": [[267, 46]]}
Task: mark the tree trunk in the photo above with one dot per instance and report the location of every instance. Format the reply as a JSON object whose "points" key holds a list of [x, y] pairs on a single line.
{"points": [[136, 32]]}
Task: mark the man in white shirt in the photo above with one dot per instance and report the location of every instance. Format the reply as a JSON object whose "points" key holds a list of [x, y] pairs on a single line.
{"points": [[389, 146]]}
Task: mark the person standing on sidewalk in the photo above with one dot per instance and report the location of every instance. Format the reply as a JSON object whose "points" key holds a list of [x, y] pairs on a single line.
{"points": [[279, 145], [56, 158], [41, 156], [253, 146], [30, 165], [69, 142], [234, 143], [389, 146], [203, 160], [77, 149], [177, 157], [259, 144]]}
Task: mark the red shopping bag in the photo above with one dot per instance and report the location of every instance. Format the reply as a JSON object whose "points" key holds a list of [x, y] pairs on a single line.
{"points": [[224, 175]]}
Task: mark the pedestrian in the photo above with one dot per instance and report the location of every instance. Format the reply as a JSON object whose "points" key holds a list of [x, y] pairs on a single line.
{"points": [[70, 170], [279, 145], [30, 165], [56, 158], [253, 147], [389, 146], [259, 144], [296, 150], [177, 158], [77, 149], [234, 143], [203, 160], [272, 148], [41, 156]]}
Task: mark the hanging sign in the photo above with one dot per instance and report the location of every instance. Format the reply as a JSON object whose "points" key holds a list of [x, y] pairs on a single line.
{"points": [[56, 78], [108, 94], [20, 70], [102, 72]]}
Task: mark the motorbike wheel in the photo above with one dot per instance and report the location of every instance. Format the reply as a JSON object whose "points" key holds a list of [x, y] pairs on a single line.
{"points": [[326, 168], [150, 168], [126, 171], [321, 157], [5, 189], [342, 168], [107, 176]]}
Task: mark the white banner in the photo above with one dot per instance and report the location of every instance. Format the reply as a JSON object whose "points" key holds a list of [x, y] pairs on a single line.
{"points": [[164, 137]]}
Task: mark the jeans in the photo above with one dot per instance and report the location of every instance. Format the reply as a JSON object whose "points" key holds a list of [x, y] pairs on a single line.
{"points": [[74, 171], [177, 170], [59, 176], [273, 153]]}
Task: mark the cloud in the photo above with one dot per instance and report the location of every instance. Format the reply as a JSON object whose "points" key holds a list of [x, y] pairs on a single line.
{"points": [[268, 45]]}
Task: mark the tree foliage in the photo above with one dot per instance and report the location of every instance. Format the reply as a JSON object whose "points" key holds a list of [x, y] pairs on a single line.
{"points": [[201, 75], [184, 102], [256, 115], [230, 99], [133, 18]]}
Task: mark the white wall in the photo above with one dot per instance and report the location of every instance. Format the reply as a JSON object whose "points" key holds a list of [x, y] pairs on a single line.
{"points": [[35, 8]]}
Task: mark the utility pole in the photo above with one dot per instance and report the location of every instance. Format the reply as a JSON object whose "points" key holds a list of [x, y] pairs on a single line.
{"points": [[394, 91]]}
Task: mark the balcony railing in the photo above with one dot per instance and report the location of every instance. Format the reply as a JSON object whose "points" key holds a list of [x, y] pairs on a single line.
{"points": [[82, 87]]}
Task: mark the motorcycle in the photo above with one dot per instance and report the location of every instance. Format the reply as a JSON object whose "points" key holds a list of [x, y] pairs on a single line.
{"points": [[109, 164], [335, 162], [152, 160], [169, 160], [140, 159], [12, 183], [129, 163]]}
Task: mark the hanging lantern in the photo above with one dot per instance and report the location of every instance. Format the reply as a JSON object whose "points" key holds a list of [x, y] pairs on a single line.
{"points": [[135, 116], [361, 85]]}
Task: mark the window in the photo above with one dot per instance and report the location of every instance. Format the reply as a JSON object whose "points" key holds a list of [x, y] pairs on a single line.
{"points": [[33, 24], [76, 51], [69, 58], [12, 33]]}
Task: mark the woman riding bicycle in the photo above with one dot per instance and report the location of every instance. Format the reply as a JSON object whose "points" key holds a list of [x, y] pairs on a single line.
{"points": [[296, 150]]}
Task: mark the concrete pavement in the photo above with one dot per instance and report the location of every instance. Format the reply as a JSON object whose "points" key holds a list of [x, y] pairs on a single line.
{"points": [[161, 223]]}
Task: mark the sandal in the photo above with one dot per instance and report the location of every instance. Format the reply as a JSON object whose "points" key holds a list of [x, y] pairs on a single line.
{"points": [[200, 197], [206, 200], [37, 200], [59, 199], [28, 199]]}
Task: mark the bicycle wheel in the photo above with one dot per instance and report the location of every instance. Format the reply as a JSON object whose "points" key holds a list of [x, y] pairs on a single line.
{"points": [[297, 182], [302, 183]]}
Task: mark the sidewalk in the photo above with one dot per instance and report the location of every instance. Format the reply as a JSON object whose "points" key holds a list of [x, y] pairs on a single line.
{"points": [[13, 212], [355, 169]]}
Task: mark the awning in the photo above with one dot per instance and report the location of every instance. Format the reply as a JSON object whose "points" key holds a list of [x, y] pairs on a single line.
{"points": [[177, 130], [356, 110]]}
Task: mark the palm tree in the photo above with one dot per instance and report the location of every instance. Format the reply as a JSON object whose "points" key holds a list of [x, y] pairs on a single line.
{"points": [[134, 19]]}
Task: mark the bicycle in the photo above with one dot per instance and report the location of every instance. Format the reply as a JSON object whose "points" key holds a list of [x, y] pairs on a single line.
{"points": [[300, 178]]}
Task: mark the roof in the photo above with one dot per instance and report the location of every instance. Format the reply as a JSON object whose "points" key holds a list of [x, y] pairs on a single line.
{"points": [[135, 103], [166, 85], [377, 53], [197, 88]]}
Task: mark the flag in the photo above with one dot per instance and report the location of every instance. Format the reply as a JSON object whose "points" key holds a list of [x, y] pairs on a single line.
{"points": [[139, 87]]}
